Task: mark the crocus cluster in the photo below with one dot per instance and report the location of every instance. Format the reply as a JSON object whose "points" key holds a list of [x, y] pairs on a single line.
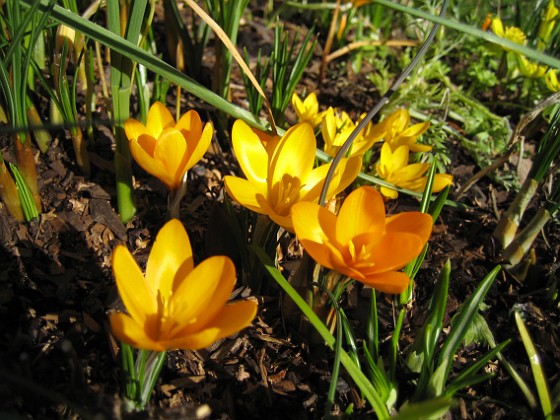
{"points": [[398, 135], [521, 63]]}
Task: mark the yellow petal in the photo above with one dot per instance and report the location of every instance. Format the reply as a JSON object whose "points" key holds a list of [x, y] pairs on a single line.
{"points": [[388, 193], [246, 193], [202, 294], [149, 164], [250, 152], [294, 155], [390, 282], [134, 129], [170, 254], [132, 333], [412, 222], [412, 172], [136, 293], [199, 146], [147, 143], [441, 181], [159, 118], [190, 124], [420, 148], [171, 150], [363, 211], [232, 318]]}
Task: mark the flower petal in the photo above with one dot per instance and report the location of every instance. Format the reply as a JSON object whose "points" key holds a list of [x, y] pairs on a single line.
{"points": [[159, 118], [149, 164], [202, 294], [441, 181], [199, 146], [190, 124], [246, 193], [137, 294], [412, 222], [395, 250], [294, 155], [250, 152], [170, 254], [363, 211], [314, 226], [134, 129], [171, 149], [232, 318], [389, 282], [129, 331]]}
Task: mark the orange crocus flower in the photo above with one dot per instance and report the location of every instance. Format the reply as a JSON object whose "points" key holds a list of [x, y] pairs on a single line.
{"points": [[361, 242], [176, 305]]}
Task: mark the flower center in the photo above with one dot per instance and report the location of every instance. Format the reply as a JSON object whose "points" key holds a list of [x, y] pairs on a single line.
{"points": [[285, 194]]}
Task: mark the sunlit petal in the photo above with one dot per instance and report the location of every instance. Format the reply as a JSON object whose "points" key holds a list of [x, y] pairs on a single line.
{"points": [[362, 211], [441, 181], [149, 164], [199, 145], [159, 118], [171, 251], [190, 124], [134, 129], [395, 250], [137, 294], [129, 331], [245, 193], [295, 154], [412, 222], [389, 282], [250, 152], [231, 319], [171, 150]]}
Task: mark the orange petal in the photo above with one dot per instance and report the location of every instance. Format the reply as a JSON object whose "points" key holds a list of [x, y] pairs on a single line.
{"points": [[395, 250], [389, 282], [136, 293], [159, 118], [232, 318], [410, 222], [150, 165], [363, 211], [190, 124], [170, 254], [250, 152], [171, 150], [202, 294], [148, 143], [199, 146], [315, 227], [246, 193], [130, 332], [134, 129]]}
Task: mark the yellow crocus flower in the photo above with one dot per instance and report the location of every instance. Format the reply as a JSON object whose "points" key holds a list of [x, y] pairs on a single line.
{"points": [[281, 173], [308, 109], [397, 131], [176, 305], [393, 167], [336, 130], [166, 149], [361, 242]]}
